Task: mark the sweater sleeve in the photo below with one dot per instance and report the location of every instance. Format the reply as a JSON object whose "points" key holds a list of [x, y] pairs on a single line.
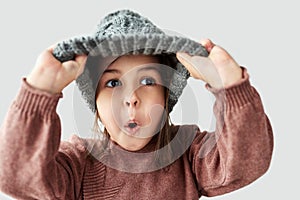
{"points": [[240, 149], [33, 162]]}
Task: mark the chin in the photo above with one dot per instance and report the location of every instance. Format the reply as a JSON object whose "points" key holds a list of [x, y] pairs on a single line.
{"points": [[130, 143], [135, 145]]}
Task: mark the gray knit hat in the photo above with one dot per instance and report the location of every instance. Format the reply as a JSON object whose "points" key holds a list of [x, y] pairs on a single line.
{"points": [[126, 32]]}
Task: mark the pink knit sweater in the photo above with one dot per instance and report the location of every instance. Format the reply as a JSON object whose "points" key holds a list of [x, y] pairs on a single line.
{"points": [[35, 164]]}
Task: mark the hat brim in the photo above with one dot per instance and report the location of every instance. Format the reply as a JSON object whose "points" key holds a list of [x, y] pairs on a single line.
{"points": [[118, 45]]}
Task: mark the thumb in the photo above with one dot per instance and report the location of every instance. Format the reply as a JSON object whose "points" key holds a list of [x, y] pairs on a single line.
{"points": [[74, 68], [189, 63], [201, 68]]}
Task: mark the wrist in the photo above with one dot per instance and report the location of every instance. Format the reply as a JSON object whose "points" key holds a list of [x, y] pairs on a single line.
{"points": [[42, 85], [231, 77], [45, 80]]}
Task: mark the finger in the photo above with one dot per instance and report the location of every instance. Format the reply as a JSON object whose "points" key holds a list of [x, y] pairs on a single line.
{"points": [[201, 68], [186, 60], [52, 47], [222, 58], [81, 60], [75, 67], [208, 44], [47, 54], [71, 69]]}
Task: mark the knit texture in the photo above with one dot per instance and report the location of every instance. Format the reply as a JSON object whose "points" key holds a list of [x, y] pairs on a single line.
{"points": [[126, 32]]}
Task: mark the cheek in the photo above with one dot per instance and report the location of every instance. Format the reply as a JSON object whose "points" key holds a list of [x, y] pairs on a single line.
{"points": [[154, 96], [154, 102], [103, 102], [108, 109]]}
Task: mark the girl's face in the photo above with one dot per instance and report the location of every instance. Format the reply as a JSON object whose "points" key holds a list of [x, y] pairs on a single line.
{"points": [[130, 100]]}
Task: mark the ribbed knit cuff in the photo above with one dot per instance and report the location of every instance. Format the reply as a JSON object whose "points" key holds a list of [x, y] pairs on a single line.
{"points": [[235, 96], [32, 100]]}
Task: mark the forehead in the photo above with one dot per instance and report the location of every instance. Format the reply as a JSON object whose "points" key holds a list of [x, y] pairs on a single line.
{"points": [[130, 61]]}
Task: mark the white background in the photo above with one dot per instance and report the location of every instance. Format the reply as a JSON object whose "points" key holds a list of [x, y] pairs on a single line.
{"points": [[261, 35]]}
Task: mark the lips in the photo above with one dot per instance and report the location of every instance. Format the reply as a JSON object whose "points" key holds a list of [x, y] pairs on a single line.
{"points": [[132, 127]]}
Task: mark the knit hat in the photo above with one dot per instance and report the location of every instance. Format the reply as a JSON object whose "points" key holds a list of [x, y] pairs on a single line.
{"points": [[126, 32]]}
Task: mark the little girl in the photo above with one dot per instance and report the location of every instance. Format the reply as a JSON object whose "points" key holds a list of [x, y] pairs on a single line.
{"points": [[141, 154]]}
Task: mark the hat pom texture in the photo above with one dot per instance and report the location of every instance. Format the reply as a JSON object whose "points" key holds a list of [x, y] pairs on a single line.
{"points": [[126, 32]]}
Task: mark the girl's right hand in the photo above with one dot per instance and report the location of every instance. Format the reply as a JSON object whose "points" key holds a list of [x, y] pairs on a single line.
{"points": [[51, 75]]}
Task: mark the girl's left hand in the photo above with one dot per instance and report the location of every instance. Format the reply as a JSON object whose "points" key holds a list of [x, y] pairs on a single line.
{"points": [[219, 69]]}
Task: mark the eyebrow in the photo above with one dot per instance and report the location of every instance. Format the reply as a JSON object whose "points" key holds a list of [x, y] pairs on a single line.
{"points": [[114, 71], [148, 68]]}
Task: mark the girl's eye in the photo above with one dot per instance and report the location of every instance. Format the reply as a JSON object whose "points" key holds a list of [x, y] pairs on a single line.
{"points": [[113, 83], [148, 81]]}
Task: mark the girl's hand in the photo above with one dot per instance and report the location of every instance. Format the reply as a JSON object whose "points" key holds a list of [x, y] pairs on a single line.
{"points": [[219, 69], [51, 75]]}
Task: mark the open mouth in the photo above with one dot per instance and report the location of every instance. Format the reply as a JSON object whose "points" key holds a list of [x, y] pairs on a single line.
{"points": [[132, 127]]}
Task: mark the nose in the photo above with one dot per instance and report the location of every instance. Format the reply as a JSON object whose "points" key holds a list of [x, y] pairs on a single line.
{"points": [[132, 100]]}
